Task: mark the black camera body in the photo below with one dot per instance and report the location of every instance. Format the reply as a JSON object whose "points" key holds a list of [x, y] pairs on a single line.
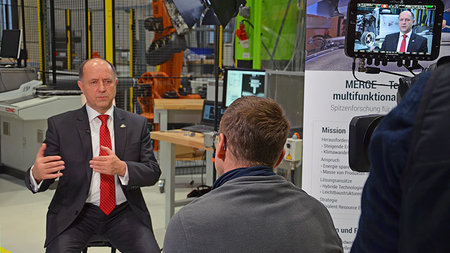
{"points": [[362, 127], [361, 130]]}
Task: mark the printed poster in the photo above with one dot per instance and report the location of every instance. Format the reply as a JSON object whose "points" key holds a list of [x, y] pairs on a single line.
{"points": [[334, 95]]}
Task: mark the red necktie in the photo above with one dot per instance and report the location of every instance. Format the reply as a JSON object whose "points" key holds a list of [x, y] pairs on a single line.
{"points": [[403, 45], [107, 186]]}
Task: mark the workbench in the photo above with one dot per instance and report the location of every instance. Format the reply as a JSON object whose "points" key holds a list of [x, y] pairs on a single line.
{"points": [[177, 111], [168, 141]]}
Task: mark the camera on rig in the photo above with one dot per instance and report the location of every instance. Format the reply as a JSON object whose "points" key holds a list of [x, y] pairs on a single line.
{"points": [[375, 35]]}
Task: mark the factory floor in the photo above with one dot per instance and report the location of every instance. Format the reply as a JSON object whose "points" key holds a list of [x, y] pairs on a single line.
{"points": [[22, 214]]}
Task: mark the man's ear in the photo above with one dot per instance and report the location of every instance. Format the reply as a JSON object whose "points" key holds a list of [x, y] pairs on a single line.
{"points": [[280, 158], [221, 147], [80, 85]]}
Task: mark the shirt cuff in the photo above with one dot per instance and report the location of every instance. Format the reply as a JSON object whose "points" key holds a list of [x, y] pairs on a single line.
{"points": [[34, 186], [124, 180]]}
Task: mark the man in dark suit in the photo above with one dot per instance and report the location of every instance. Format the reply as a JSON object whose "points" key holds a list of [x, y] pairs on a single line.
{"points": [[405, 40], [102, 155]]}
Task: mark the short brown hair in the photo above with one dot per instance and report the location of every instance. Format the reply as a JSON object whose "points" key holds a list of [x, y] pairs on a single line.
{"points": [[255, 130]]}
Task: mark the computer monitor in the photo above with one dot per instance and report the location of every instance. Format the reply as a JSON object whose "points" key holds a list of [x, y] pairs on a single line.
{"points": [[240, 82], [10, 46]]}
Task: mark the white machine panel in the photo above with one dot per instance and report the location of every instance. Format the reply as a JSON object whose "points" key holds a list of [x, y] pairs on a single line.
{"points": [[26, 89], [23, 123], [211, 90], [20, 141], [294, 149], [39, 107]]}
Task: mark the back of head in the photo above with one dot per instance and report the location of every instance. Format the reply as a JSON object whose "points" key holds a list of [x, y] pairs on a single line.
{"points": [[255, 130]]}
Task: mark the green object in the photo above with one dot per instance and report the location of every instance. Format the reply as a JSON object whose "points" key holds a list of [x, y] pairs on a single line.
{"points": [[257, 36], [271, 30]]}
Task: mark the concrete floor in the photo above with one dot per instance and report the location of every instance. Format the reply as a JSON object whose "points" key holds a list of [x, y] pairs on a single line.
{"points": [[22, 214]]}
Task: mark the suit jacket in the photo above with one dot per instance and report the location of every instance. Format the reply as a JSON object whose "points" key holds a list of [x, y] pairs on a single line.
{"points": [[253, 214], [68, 135], [416, 43]]}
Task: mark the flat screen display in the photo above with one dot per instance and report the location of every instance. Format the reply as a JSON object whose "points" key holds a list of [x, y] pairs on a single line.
{"points": [[10, 46], [392, 31], [242, 82], [208, 112]]}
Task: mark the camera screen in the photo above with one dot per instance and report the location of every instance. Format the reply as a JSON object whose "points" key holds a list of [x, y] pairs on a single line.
{"points": [[394, 31]]}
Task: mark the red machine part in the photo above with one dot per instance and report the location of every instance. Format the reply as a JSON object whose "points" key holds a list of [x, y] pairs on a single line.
{"points": [[241, 33]]}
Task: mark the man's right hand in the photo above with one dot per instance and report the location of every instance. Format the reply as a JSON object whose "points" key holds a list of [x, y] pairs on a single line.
{"points": [[47, 167]]}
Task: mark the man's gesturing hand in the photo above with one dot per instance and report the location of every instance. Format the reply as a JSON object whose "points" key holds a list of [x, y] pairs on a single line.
{"points": [[47, 167], [109, 164]]}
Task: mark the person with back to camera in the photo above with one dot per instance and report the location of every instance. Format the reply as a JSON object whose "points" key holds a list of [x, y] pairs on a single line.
{"points": [[102, 155], [250, 208], [405, 40], [405, 202]]}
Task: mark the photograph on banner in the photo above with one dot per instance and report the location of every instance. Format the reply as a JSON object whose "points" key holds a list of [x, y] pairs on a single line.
{"points": [[376, 26]]}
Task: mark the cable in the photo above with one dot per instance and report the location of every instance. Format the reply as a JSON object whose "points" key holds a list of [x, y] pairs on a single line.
{"points": [[393, 73], [262, 43], [250, 23], [297, 39], [372, 71], [281, 28], [416, 65]]}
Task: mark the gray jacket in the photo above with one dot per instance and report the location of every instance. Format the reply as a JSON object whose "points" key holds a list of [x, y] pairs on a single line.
{"points": [[253, 214]]}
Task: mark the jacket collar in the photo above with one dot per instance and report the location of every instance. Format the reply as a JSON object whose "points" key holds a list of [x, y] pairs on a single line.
{"points": [[84, 131], [120, 131], [241, 172]]}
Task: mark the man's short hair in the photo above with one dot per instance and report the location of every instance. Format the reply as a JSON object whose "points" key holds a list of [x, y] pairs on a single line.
{"points": [[255, 130], [81, 69]]}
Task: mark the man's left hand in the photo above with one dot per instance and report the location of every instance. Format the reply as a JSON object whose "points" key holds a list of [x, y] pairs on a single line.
{"points": [[109, 164]]}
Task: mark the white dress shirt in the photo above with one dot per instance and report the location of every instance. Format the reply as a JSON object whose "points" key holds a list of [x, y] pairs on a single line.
{"points": [[400, 39], [94, 190]]}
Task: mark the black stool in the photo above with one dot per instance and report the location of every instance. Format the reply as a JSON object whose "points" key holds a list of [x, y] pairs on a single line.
{"points": [[99, 241]]}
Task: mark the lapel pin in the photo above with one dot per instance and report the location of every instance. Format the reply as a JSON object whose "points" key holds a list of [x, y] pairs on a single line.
{"points": [[123, 126]]}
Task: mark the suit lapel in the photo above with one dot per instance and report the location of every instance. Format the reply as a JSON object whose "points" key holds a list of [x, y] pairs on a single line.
{"points": [[411, 43], [120, 132], [84, 130], [396, 42]]}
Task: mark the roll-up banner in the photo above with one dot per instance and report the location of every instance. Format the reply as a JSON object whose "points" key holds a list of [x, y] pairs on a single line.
{"points": [[333, 96]]}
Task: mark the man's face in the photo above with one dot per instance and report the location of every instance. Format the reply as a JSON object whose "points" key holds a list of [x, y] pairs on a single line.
{"points": [[405, 22], [98, 85]]}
